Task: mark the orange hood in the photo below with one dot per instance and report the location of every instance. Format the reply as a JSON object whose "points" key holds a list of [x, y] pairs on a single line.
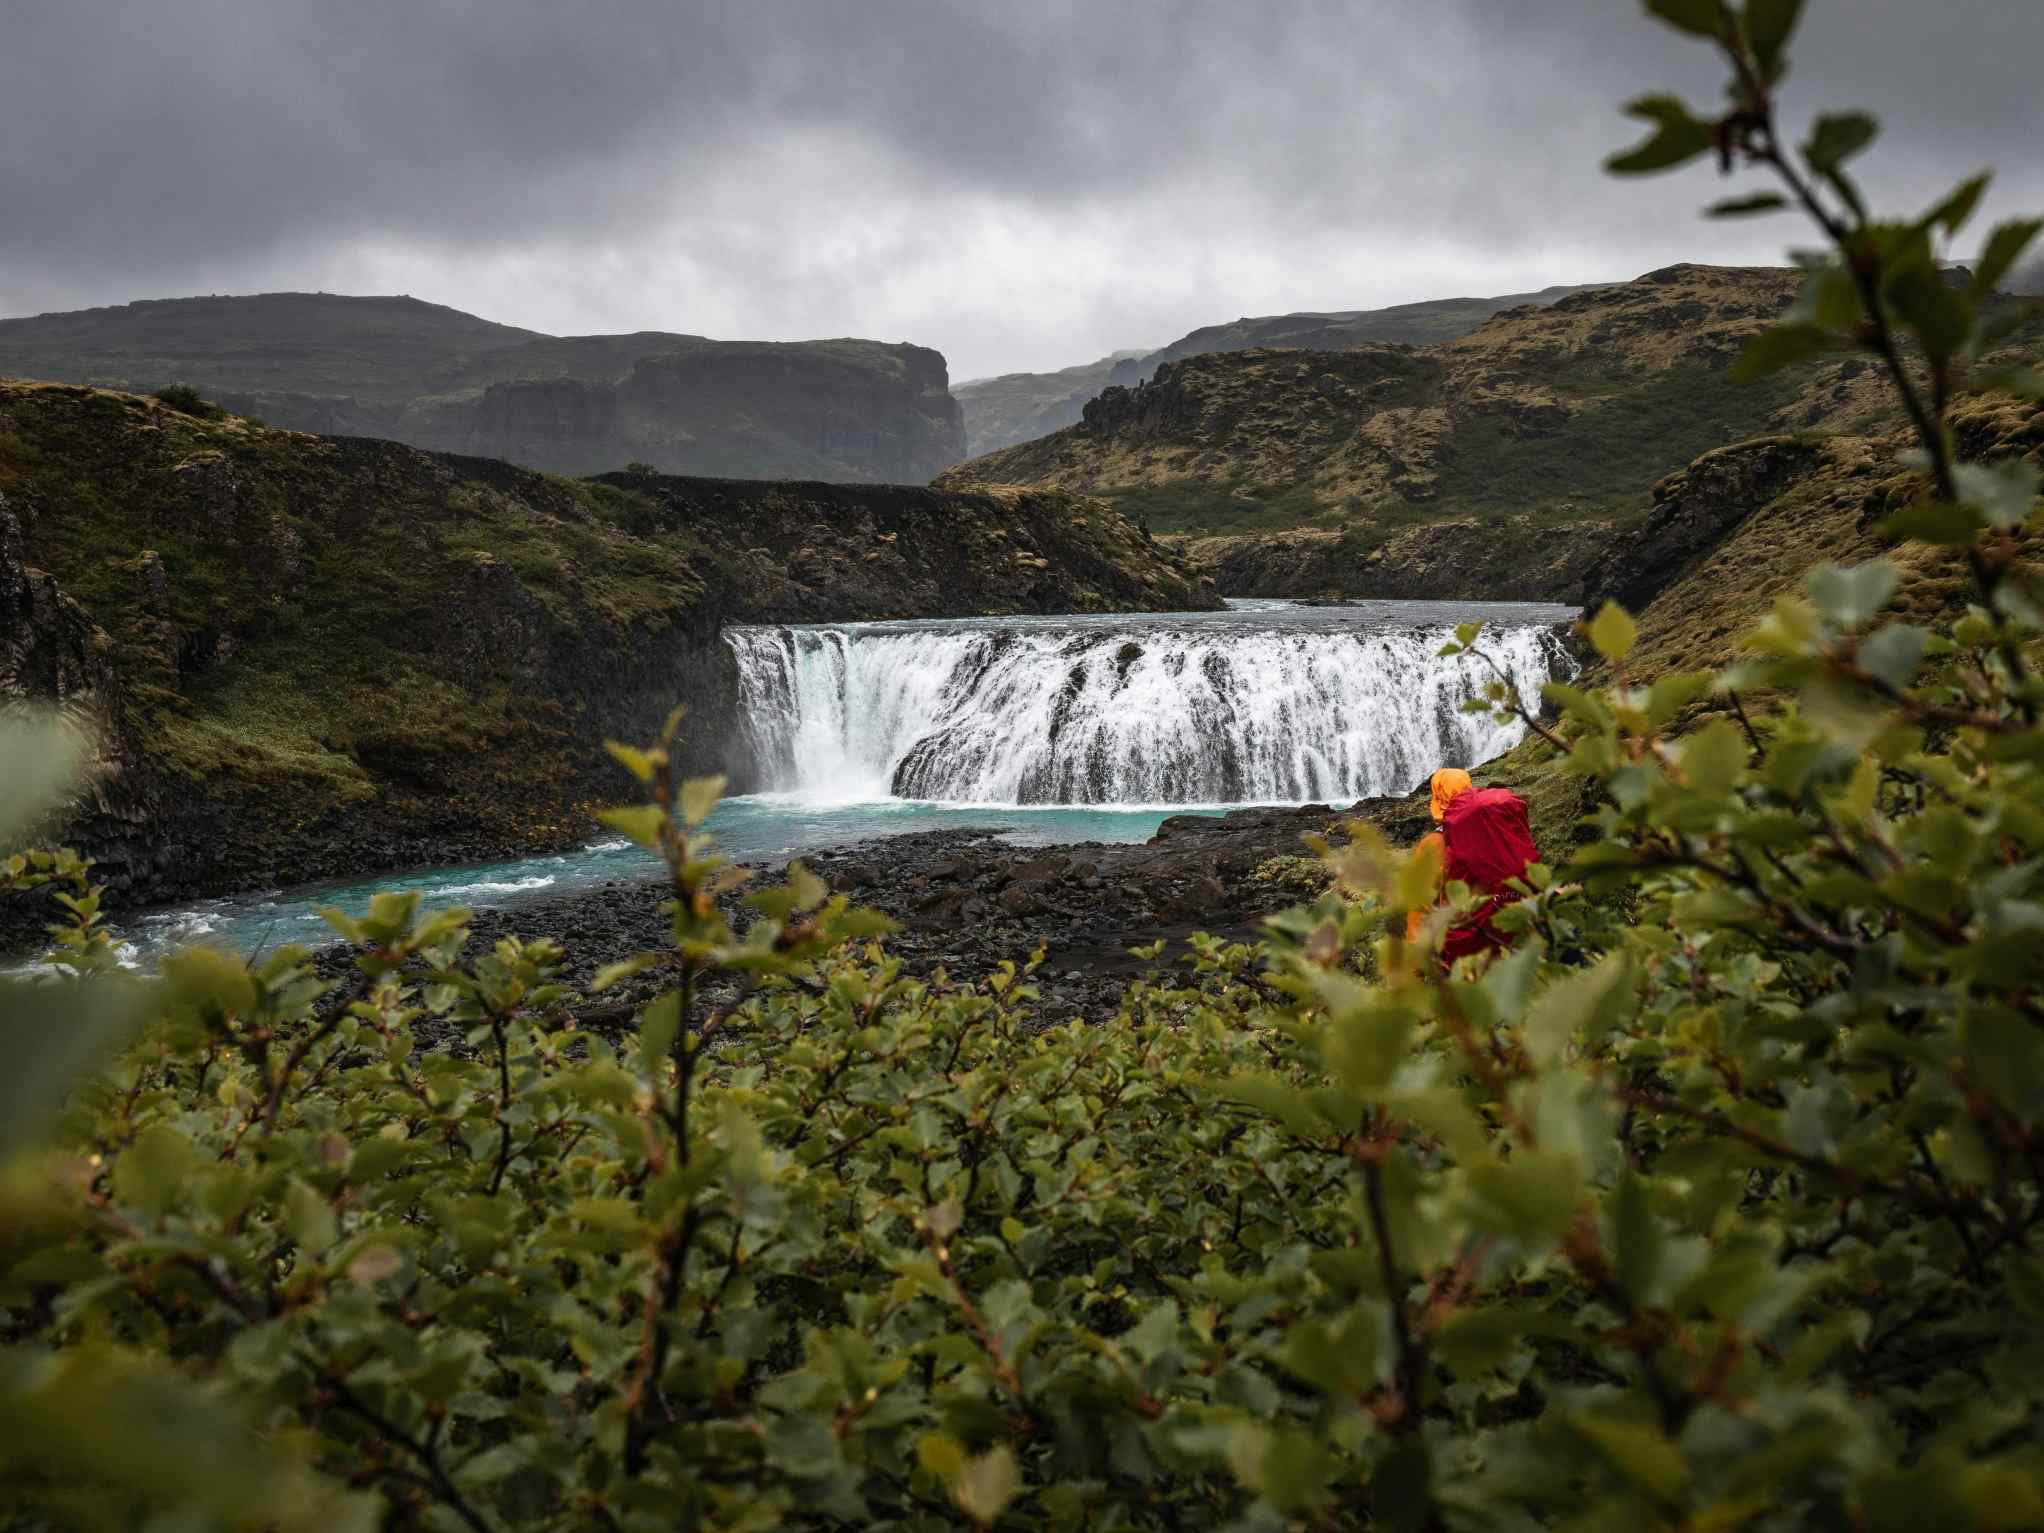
{"points": [[1448, 784]]}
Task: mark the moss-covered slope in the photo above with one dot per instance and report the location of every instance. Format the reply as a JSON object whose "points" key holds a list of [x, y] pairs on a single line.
{"points": [[1728, 537], [330, 655], [1523, 460], [1565, 411]]}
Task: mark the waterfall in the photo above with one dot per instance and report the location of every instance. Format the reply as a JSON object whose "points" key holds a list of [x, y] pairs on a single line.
{"points": [[1213, 713]]}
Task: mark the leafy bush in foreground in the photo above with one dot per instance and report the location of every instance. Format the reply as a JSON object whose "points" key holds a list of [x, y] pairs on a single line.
{"points": [[1719, 1203]]}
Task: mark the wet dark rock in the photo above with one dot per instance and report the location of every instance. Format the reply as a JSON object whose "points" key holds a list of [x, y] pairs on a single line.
{"points": [[1198, 877], [1693, 512]]}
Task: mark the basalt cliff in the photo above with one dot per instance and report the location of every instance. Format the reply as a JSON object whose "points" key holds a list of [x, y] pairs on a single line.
{"points": [[308, 656], [433, 377]]}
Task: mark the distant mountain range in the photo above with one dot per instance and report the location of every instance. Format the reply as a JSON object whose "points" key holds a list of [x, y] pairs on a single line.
{"points": [[434, 377], [1020, 407]]}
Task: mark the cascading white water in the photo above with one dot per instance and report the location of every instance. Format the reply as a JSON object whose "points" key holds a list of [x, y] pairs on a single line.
{"points": [[1198, 714]]}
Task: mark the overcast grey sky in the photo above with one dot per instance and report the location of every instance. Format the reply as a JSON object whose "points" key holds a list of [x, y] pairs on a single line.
{"points": [[1021, 183]]}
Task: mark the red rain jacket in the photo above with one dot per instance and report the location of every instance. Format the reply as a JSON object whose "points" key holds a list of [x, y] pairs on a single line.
{"points": [[1488, 845]]}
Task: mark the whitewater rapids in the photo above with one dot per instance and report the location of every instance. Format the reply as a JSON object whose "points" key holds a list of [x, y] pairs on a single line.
{"points": [[1203, 712]]}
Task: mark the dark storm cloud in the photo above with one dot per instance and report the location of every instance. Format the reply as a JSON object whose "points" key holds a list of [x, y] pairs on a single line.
{"points": [[1021, 184]]}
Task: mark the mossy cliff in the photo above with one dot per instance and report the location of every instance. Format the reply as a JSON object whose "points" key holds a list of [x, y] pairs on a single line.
{"points": [[314, 656]]}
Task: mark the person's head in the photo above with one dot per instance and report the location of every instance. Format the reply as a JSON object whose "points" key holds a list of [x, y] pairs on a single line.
{"points": [[1448, 783]]}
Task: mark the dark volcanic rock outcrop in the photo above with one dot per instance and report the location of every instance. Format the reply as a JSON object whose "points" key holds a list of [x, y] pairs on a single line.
{"points": [[315, 656], [432, 377], [1692, 511]]}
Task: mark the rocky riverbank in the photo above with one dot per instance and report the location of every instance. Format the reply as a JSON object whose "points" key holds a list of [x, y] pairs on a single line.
{"points": [[967, 900]]}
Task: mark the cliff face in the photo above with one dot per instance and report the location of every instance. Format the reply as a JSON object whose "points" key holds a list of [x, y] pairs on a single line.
{"points": [[844, 410], [316, 656]]}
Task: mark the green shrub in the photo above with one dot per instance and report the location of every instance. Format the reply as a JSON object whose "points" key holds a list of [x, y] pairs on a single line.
{"points": [[186, 400], [1718, 1203]]}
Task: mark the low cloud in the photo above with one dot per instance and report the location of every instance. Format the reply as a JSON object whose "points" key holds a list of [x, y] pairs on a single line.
{"points": [[1021, 186]]}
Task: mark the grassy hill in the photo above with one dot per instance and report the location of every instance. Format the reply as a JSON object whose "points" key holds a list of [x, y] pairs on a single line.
{"points": [[434, 377], [1496, 464], [311, 655]]}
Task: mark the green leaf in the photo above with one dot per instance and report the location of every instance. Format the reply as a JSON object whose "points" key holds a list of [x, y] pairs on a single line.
{"points": [[42, 756], [1893, 653], [1769, 26], [1671, 693], [52, 1030], [635, 761], [2023, 382], [1713, 757], [1638, 1452], [2005, 246], [1783, 346], [809, 890], [309, 1218], [1532, 1197], [151, 1173], [624, 968], [1829, 300], [2005, 492], [640, 823], [1613, 632], [1934, 521], [1850, 594], [1678, 137], [1940, 315], [1836, 138], [1741, 207], [941, 1455], [1699, 18], [1636, 1240], [659, 1026], [1958, 206], [699, 796], [1584, 1005]]}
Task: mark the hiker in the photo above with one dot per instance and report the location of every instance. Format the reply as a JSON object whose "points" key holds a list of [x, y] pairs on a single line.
{"points": [[1447, 784], [1486, 843]]}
